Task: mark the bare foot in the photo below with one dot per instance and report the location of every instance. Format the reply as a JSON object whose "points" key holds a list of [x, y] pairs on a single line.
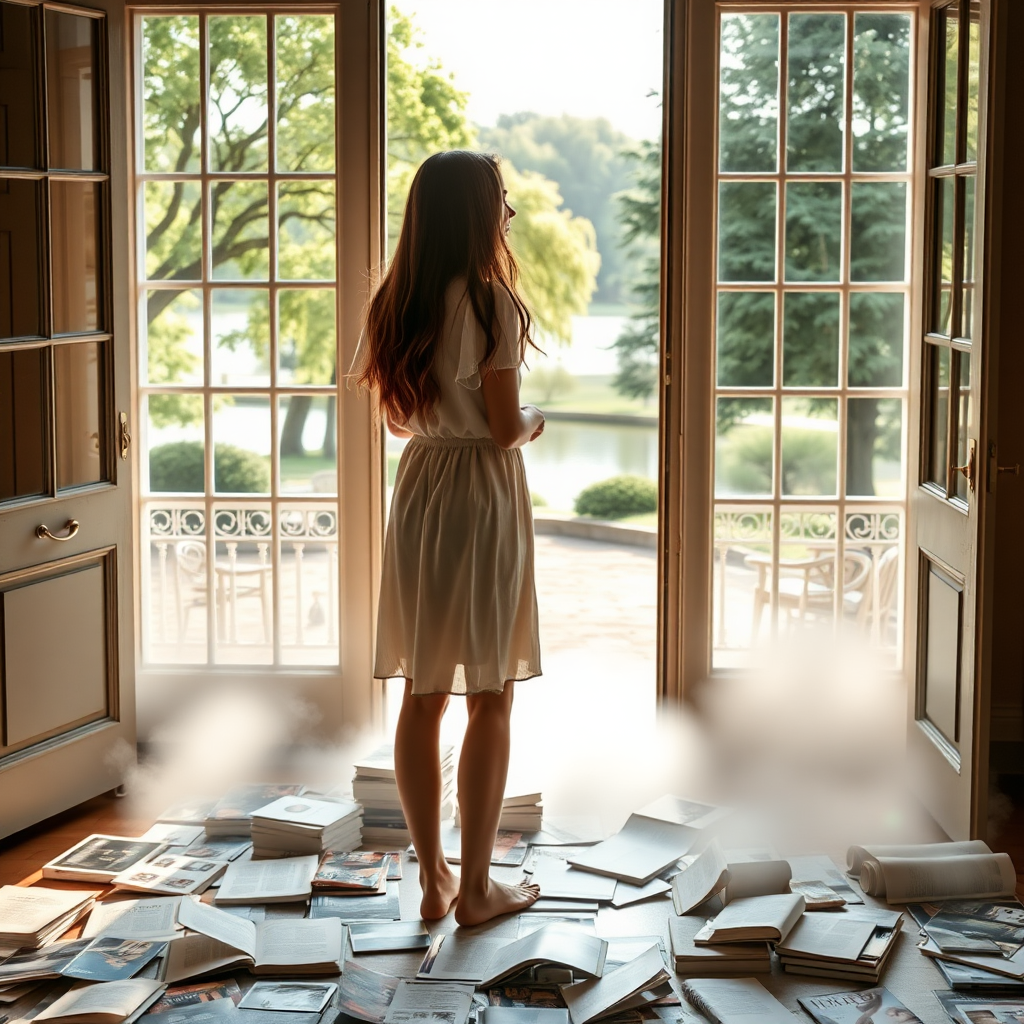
{"points": [[440, 891], [497, 899]]}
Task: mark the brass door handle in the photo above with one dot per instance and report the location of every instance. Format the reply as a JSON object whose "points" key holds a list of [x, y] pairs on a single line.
{"points": [[968, 468], [71, 526]]}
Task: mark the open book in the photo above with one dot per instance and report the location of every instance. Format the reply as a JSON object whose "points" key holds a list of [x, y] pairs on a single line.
{"points": [[713, 871], [485, 961], [933, 871], [109, 1003], [754, 917], [170, 873], [284, 946], [287, 880], [633, 984], [97, 858], [32, 915]]}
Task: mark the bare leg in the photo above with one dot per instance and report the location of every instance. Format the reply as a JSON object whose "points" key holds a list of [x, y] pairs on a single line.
{"points": [[483, 768], [418, 771]]}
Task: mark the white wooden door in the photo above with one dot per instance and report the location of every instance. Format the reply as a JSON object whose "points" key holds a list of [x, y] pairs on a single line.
{"points": [[948, 760], [67, 714]]}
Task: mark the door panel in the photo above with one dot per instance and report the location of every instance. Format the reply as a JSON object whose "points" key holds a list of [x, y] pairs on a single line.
{"points": [[939, 680], [66, 595]]}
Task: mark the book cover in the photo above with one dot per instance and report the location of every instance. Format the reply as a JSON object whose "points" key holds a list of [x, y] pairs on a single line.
{"points": [[858, 1007]]}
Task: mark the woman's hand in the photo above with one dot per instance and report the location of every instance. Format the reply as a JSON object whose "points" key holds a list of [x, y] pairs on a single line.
{"points": [[539, 429], [511, 424]]}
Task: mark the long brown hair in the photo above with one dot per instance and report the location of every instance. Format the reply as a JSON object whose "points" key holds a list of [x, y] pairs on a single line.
{"points": [[452, 227]]}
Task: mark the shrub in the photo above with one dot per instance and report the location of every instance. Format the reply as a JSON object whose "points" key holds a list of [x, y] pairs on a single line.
{"points": [[537, 500], [179, 467], [617, 498]]}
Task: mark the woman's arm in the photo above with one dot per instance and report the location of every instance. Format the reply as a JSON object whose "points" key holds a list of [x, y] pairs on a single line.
{"points": [[397, 429], [511, 425]]}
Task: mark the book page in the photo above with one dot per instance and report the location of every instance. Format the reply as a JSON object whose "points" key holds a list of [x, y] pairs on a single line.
{"points": [[739, 1000], [840, 937], [762, 912], [134, 919], [194, 954], [280, 942], [700, 879], [237, 932], [589, 999], [459, 957], [642, 848], [756, 878], [27, 910], [253, 881], [117, 998], [426, 1002], [557, 880], [555, 944], [856, 855], [913, 880]]}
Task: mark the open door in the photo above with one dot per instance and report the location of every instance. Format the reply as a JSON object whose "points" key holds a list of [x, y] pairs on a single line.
{"points": [[948, 756], [67, 714]]}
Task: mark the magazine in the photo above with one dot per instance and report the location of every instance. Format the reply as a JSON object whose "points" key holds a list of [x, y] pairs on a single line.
{"points": [[420, 1002], [858, 1007], [98, 858], [365, 994]]}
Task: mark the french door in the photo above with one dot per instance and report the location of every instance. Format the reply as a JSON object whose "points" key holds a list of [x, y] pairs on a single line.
{"points": [[67, 710]]}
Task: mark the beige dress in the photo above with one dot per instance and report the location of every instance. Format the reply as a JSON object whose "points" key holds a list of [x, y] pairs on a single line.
{"points": [[458, 603]]}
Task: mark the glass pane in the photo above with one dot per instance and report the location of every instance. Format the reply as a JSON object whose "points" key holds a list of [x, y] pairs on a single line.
{"points": [[305, 92], [75, 224], [80, 421], [24, 458], [810, 339], [307, 336], [873, 444], [878, 231], [748, 112], [947, 86], [72, 112], [243, 582], [307, 433], [938, 380], [746, 231], [171, 341], [305, 240], [881, 91], [743, 447], [969, 257], [175, 444], [746, 339], [810, 445], [173, 230], [814, 227], [21, 287], [18, 87], [876, 605], [309, 586], [742, 591], [241, 336], [238, 92], [876, 340], [240, 230], [807, 569], [170, 93], [241, 444], [973, 82], [174, 584], [817, 59], [943, 264], [963, 423]]}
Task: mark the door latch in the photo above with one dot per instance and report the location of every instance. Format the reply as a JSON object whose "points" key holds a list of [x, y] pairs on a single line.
{"points": [[970, 467], [126, 436]]}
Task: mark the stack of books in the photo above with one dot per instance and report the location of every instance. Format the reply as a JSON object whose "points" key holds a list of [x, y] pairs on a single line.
{"points": [[375, 787], [231, 815], [853, 945], [301, 825], [32, 916], [725, 958], [356, 874], [520, 812]]}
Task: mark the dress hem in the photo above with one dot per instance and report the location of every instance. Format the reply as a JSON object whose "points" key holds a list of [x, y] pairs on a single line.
{"points": [[462, 693]]}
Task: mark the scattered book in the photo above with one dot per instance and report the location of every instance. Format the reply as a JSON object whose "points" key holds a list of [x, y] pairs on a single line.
{"points": [[735, 1001], [287, 879], [712, 871], [976, 928], [153, 918], [727, 958], [856, 1007], [365, 994], [189, 995], [819, 868], [30, 916], [98, 858], [647, 844], [851, 945], [358, 908], [219, 940], [232, 814], [754, 917], [290, 996], [109, 958], [170, 873], [522, 1015], [559, 880], [301, 825], [359, 873], [980, 1009], [111, 1003], [417, 1002], [532, 997], [217, 1011], [37, 964], [633, 984], [1008, 967], [485, 961], [817, 895], [933, 871], [964, 978], [387, 936], [625, 894]]}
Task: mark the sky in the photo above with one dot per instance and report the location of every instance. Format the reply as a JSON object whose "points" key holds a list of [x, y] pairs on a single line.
{"points": [[588, 58]]}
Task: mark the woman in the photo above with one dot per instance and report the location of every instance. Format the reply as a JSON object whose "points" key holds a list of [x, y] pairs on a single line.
{"points": [[446, 333]]}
